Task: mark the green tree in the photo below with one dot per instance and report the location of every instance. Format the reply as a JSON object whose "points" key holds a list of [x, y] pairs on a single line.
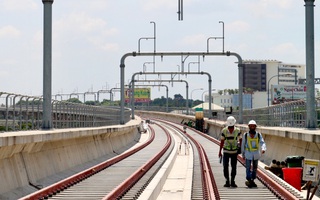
{"points": [[74, 100], [93, 103], [248, 90]]}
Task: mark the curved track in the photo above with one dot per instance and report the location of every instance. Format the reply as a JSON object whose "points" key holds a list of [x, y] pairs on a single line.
{"points": [[269, 186], [116, 177], [127, 175]]}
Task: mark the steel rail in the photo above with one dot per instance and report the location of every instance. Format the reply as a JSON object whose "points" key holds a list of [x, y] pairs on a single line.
{"points": [[267, 180], [278, 189], [68, 182], [210, 190], [129, 182]]}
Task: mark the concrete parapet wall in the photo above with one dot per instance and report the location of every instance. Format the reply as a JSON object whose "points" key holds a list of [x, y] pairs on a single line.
{"points": [[281, 141], [30, 156]]}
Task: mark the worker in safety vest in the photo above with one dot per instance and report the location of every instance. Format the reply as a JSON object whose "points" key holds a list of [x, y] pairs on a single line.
{"points": [[230, 142], [253, 146]]}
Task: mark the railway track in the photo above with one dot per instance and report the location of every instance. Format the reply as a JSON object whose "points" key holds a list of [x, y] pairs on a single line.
{"points": [[126, 176], [114, 178], [269, 186], [203, 184]]}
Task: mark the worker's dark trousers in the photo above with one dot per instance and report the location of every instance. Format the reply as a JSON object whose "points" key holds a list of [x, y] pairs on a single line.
{"points": [[233, 158]]}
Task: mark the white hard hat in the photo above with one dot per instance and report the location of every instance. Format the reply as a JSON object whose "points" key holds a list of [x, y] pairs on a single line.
{"points": [[231, 121], [252, 122]]}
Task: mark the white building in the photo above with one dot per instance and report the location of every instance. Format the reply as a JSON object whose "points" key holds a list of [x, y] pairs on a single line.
{"points": [[260, 76]]}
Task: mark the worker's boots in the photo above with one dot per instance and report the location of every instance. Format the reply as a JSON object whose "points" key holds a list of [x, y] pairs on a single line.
{"points": [[251, 184], [227, 184], [233, 184]]}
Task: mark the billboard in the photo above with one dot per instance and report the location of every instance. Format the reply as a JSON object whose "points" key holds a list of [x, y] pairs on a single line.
{"points": [[140, 95], [284, 93]]}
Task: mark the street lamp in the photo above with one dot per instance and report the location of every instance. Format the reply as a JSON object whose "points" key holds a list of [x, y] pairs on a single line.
{"points": [[193, 91], [277, 75]]}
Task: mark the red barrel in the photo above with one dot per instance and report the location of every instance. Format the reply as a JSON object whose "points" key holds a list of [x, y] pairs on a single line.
{"points": [[293, 176]]}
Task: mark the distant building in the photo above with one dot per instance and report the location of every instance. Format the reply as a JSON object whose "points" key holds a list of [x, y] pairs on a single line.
{"points": [[225, 101], [246, 101], [259, 99], [262, 75], [257, 74]]}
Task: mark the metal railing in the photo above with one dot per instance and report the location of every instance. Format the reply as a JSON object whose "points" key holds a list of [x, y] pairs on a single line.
{"points": [[288, 114], [21, 112]]}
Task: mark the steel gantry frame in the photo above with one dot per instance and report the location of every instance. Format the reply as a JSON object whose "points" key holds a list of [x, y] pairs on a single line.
{"points": [[160, 85], [132, 99], [173, 73], [162, 54]]}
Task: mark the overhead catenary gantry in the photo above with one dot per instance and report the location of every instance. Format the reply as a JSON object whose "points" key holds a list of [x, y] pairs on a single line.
{"points": [[180, 54], [173, 73], [159, 85], [155, 81]]}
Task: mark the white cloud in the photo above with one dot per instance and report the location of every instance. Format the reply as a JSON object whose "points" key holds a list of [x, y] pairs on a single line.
{"points": [[237, 26], [110, 32], [18, 5], [287, 51], [87, 28], [110, 47], [156, 4], [270, 8], [9, 32], [283, 4], [8, 62], [194, 39], [102, 44], [283, 48], [79, 23], [274, 4], [38, 38], [98, 4]]}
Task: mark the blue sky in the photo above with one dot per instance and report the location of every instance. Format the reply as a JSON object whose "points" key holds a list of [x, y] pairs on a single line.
{"points": [[90, 37]]}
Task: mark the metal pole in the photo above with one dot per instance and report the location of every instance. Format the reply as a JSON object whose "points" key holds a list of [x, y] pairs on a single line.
{"points": [[179, 10], [7, 110], [269, 88], [131, 94], [167, 100], [47, 62], [311, 121], [187, 100], [222, 35]]}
